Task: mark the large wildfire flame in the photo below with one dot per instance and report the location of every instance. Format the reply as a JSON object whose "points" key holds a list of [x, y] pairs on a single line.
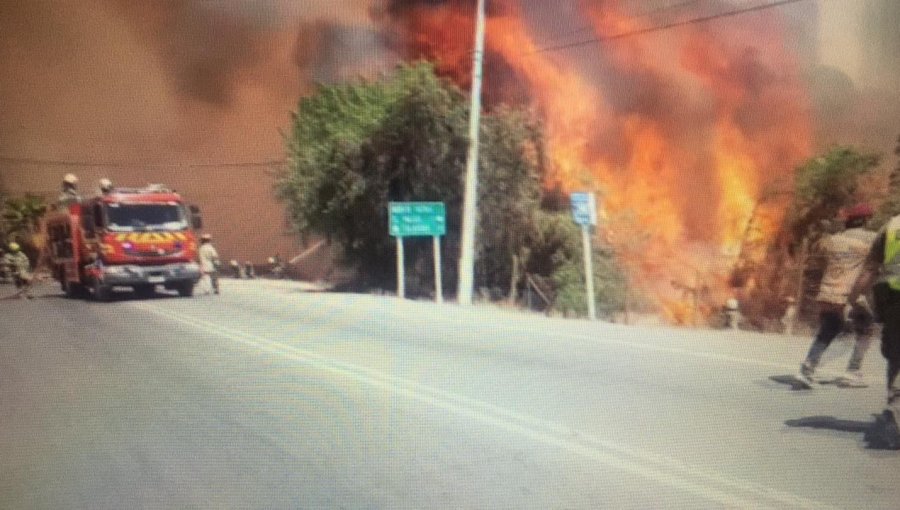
{"points": [[681, 131]]}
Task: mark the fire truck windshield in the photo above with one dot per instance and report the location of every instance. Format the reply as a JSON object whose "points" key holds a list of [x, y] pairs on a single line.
{"points": [[143, 217]]}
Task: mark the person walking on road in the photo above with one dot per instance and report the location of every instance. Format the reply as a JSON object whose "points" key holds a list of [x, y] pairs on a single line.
{"points": [[209, 262], [19, 267], [845, 253], [881, 276]]}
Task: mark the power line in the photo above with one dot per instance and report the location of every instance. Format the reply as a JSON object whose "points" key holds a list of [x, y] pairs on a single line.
{"points": [[670, 7], [667, 26], [105, 164], [642, 14]]}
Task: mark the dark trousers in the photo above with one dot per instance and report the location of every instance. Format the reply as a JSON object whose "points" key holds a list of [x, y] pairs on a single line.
{"points": [[887, 304], [831, 323], [23, 285], [214, 280]]}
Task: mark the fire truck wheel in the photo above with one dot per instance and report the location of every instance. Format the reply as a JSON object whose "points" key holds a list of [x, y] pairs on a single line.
{"points": [[185, 289], [144, 291], [101, 292], [72, 290]]}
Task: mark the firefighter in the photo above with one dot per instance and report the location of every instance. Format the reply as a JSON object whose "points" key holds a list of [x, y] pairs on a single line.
{"points": [[881, 274], [845, 253], [106, 186], [69, 192], [276, 267], [19, 267], [236, 270], [209, 261]]}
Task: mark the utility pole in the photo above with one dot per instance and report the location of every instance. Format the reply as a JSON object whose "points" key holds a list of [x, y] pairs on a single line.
{"points": [[470, 197]]}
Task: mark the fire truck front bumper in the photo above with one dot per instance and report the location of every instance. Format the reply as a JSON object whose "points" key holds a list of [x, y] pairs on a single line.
{"points": [[129, 275]]}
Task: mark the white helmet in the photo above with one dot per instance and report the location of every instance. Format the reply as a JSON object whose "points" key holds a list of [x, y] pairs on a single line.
{"points": [[731, 304], [70, 179], [105, 184]]}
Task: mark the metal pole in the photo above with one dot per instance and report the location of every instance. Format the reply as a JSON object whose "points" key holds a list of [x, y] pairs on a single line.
{"points": [[438, 284], [470, 197], [588, 270], [401, 284]]}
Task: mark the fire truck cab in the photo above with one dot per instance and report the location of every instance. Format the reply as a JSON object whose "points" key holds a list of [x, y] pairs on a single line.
{"points": [[128, 237]]}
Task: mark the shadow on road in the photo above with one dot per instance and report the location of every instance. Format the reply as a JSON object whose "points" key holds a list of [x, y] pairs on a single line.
{"points": [[878, 434], [790, 380], [114, 296], [831, 423]]}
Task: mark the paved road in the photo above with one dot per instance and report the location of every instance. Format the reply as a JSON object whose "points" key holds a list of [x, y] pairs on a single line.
{"points": [[271, 397]]}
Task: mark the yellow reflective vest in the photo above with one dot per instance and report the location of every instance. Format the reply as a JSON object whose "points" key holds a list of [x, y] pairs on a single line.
{"points": [[892, 253]]}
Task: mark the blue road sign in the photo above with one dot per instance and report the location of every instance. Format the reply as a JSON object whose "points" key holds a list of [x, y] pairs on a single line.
{"points": [[584, 208]]}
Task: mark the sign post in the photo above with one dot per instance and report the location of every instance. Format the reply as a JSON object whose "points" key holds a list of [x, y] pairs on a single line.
{"points": [[418, 219], [401, 270], [584, 212], [438, 286]]}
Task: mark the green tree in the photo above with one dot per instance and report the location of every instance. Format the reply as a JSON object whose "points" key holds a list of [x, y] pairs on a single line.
{"points": [[510, 173], [21, 217], [823, 186], [355, 147], [20, 222], [558, 252]]}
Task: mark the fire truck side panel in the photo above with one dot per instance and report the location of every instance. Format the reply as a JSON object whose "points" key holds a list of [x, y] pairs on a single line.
{"points": [[64, 244]]}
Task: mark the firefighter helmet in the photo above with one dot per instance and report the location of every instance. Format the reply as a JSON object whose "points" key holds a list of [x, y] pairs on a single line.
{"points": [[861, 210]]}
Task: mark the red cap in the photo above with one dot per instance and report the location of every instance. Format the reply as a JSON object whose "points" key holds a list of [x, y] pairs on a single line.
{"points": [[859, 211]]}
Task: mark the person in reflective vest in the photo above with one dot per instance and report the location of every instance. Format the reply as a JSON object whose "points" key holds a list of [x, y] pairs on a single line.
{"points": [[881, 274]]}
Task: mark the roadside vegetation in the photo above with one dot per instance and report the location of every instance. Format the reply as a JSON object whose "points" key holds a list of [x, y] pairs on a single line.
{"points": [[20, 222], [354, 147]]}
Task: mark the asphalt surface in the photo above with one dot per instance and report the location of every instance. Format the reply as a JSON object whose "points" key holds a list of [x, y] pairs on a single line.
{"points": [[271, 396]]}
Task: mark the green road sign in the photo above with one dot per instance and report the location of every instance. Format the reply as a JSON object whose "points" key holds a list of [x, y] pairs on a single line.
{"points": [[417, 219]]}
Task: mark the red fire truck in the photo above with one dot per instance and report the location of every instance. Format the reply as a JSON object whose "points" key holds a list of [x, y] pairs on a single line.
{"points": [[128, 237]]}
